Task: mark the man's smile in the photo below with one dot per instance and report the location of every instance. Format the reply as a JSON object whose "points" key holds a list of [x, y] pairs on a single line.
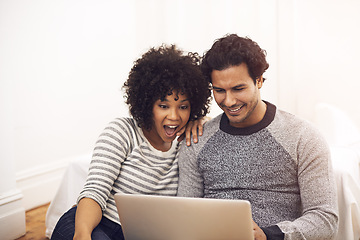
{"points": [[234, 110]]}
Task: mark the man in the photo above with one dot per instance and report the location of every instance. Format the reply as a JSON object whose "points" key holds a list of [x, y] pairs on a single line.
{"points": [[256, 152]]}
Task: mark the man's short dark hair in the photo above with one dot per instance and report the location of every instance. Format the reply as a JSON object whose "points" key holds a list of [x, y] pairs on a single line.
{"points": [[233, 50]]}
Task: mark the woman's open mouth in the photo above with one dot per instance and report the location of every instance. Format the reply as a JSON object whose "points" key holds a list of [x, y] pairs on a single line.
{"points": [[170, 130]]}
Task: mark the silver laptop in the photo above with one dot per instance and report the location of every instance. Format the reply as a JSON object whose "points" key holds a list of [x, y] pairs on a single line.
{"points": [[149, 217]]}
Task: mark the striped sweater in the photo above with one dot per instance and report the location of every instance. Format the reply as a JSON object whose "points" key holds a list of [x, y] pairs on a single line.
{"points": [[124, 161], [281, 165]]}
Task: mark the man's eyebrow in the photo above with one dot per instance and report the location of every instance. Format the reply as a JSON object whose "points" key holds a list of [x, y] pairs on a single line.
{"points": [[216, 87], [237, 86], [240, 85]]}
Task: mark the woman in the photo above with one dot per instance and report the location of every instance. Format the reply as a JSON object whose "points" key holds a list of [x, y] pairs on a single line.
{"points": [[165, 89]]}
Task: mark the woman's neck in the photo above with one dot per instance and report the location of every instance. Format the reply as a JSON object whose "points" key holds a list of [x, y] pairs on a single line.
{"points": [[156, 141]]}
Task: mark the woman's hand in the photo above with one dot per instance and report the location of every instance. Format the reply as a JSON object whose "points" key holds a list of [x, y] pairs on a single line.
{"points": [[258, 232], [194, 128]]}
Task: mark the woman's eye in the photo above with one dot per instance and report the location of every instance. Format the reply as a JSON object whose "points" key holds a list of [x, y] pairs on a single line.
{"points": [[162, 106], [184, 107]]}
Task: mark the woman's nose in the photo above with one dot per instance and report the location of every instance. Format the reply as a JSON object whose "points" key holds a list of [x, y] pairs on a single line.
{"points": [[173, 114]]}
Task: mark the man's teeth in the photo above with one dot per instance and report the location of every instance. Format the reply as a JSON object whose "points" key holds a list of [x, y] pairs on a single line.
{"points": [[234, 110]]}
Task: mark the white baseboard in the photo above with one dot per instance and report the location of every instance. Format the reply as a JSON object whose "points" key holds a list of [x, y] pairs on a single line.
{"points": [[40, 184], [12, 215]]}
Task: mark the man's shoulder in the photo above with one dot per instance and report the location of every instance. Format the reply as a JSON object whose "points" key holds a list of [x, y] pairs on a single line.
{"points": [[214, 121], [288, 118], [293, 124], [212, 125], [209, 129]]}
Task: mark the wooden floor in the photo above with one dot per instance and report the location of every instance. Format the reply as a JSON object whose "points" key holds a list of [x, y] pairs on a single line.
{"points": [[35, 224]]}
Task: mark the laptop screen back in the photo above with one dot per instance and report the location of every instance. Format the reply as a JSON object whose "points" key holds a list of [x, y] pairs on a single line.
{"points": [[149, 217]]}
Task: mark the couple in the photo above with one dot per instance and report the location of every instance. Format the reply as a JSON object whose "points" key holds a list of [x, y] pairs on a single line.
{"points": [[252, 151]]}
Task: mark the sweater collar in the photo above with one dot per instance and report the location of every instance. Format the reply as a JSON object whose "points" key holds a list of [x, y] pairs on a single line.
{"points": [[267, 119]]}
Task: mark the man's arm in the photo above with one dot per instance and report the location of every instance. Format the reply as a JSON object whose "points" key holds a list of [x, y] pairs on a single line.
{"points": [[318, 192]]}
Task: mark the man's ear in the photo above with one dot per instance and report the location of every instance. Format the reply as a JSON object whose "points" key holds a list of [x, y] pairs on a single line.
{"points": [[259, 82]]}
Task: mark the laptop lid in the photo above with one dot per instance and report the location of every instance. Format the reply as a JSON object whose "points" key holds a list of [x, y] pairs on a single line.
{"points": [[149, 217]]}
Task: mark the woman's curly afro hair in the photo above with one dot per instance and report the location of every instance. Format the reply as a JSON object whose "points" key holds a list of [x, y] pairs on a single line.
{"points": [[233, 50], [158, 73]]}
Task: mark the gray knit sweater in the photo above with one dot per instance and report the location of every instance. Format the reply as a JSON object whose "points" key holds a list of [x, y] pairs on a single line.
{"points": [[281, 165]]}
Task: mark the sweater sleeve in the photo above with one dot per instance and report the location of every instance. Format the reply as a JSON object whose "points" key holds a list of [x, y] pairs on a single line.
{"points": [[109, 153], [273, 233], [190, 179], [319, 218]]}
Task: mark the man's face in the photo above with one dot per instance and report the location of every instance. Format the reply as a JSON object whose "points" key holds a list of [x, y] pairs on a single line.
{"points": [[237, 95]]}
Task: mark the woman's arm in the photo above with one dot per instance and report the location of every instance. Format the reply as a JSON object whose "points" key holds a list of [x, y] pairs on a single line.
{"points": [[88, 216]]}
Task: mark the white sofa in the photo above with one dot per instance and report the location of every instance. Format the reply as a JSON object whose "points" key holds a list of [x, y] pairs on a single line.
{"points": [[68, 191], [343, 137]]}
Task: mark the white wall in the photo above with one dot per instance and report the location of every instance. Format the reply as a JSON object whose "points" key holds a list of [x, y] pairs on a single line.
{"points": [[11, 210], [318, 58], [63, 63], [327, 54]]}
